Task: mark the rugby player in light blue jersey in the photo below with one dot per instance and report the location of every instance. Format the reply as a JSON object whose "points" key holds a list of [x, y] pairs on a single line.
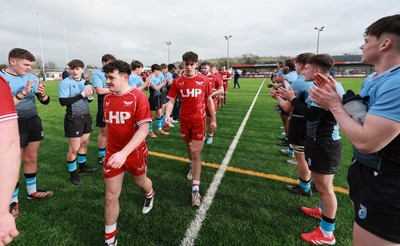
{"points": [[135, 78], [156, 85], [297, 127], [374, 131], [77, 122], [289, 75], [323, 150], [99, 84], [164, 91], [24, 87], [168, 75]]}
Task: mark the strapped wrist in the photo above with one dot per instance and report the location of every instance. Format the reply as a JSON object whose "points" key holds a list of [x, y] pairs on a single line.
{"points": [[19, 98]]}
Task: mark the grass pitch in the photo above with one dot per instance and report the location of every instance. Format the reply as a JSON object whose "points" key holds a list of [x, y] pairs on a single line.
{"points": [[247, 209]]}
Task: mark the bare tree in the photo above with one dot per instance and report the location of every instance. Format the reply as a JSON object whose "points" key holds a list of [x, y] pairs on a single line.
{"points": [[38, 63], [249, 59], [50, 65], [91, 66]]}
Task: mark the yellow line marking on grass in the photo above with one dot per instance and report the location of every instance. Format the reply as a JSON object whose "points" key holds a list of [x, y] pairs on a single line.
{"points": [[243, 171]]}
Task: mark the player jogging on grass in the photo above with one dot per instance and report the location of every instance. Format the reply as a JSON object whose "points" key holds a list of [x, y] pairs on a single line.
{"points": [[127, 115], [194, 92], [226, 77], [217, 87]]}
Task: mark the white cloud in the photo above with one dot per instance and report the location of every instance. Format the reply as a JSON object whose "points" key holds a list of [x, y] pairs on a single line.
{"points": [[139, 30]]}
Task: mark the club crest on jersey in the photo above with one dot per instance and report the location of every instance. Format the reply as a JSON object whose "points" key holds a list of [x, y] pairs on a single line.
{"points": [[116, 117], [181, 83], [107, 103], [362, 212], [199, 82], [190, 92], [128, 103]]}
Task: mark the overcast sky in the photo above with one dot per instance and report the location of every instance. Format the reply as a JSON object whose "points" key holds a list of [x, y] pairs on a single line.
{"points": [[139, 29]]}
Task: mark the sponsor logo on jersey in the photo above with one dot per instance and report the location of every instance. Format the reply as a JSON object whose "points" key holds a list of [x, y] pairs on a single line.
{"points": [[181, 83], [107, 103], [199, 82], [116, 117], [194, 92], [128, 103]]}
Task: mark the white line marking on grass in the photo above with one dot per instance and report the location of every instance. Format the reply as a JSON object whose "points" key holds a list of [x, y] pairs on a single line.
{"points": [[195, 226]]}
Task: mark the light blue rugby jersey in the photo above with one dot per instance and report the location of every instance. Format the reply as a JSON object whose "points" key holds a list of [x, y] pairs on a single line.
{"points": [[291, 77], [162, 76], [135, 80], [68, 88], [383, 91], [26, 108], [155, 81], [335, 132], [300, 86], [98, 79], [169, 76]]}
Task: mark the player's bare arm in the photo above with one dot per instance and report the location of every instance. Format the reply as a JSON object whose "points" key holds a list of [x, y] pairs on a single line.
{"points": [[168, 111]]}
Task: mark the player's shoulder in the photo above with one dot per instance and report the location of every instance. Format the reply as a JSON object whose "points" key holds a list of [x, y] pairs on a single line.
{"points": [[30, 76], [65, 81], [178, 80], [137, 93], [202, 76], [98, 71], [216, 76]]}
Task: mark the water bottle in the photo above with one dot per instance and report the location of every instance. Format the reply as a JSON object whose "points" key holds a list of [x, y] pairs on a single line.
{"points": [[354, 106], [87, 85], [357, 110]]}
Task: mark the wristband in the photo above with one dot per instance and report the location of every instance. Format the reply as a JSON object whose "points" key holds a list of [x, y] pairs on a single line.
{"points": [[23, 94], [44, 95], [18, 98]]}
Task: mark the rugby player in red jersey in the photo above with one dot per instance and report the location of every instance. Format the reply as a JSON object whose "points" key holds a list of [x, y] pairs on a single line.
{"points": [[127, 115], [226, 77], [217, 87], [195, 92]]}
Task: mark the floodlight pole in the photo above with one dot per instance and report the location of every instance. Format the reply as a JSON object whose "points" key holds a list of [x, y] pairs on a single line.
{"points": [[168, 44], [227, 39], [65, 42], [319, 29], [41, 47]]}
